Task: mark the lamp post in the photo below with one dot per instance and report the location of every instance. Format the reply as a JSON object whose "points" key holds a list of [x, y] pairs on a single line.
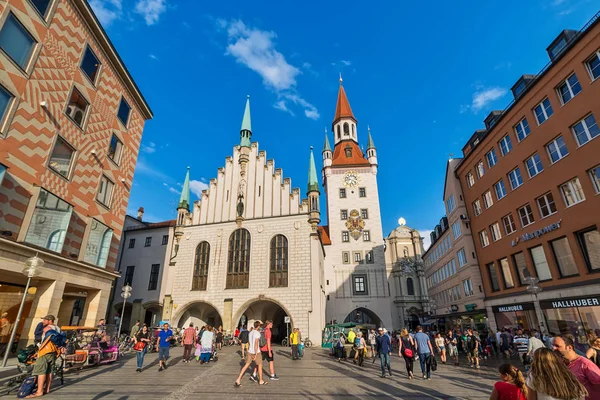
{"points": [[535, 289], [125, 294], [31, 269]]}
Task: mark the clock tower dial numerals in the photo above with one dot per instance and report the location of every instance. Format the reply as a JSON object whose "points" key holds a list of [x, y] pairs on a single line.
{"points": [[351, 179]]}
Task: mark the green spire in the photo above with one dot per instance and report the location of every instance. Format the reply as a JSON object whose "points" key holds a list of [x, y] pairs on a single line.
{"points": [[246, 131], [327, 146], [184, 200], [370, 144], [313, 183]]}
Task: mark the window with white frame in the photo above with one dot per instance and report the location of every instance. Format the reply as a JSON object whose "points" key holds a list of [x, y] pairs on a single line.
{"points": [[124, 112], [366, 236], [364, 213], [344, 214], [61, 158], [114, 149], [492, 159], [509, 224], [506, 274], [105, 191], [540, 263], [557, 149], [572, 192], [522, 129], [484, 238], [90, 65], [357, 257], [360, 284], [470, 179], [477, 207], [546, 205], [586, 129], [16, 41], [568, 89], [480, 169], [346, 257], [515, 178], [487, 199], [462, 257], [369, 257], [593, 65], [505, 145], [543, 111], [450, 203], [6, 101], [456, 230], [526, 215], [345, 236], [468, 287], [500, 189], [495, 229], [77, 107], [342, 193], [595, 176], [534, 165]]}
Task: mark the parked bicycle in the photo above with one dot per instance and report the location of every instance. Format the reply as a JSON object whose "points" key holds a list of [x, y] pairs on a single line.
{"points": [[231, 341]]}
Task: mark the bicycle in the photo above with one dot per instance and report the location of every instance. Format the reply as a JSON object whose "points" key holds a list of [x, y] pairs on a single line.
{"points": [[284, 342], [307, 342]]}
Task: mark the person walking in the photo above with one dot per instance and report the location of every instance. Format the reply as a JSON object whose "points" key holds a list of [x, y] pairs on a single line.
{"points": [[340, 347], [267, 350], [425, 350], [219, 337], [350, 338], [521, 343], [164, 337], [534, 343], [440, 344], [550, 379], [372, 342], [189, 337], [452, 347], [253, 356], [406, 349], [44, 364], [361, 348], [473, 343], [384, 350], [300, 344], [593, 353], [294, 343], [511, 386], [206, 344], [142, 336], [134, 329], [584, 369], [504, 343], [244, 337]]}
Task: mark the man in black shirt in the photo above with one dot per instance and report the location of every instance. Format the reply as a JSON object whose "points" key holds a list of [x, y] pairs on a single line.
{"points": [[39, 329], [244, 334]]}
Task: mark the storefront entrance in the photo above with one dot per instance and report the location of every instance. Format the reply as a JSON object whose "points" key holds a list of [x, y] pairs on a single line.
{"points": [[520, 315]]}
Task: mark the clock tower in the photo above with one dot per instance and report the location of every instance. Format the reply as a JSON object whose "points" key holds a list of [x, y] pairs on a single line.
{"points": [[355, 267]]}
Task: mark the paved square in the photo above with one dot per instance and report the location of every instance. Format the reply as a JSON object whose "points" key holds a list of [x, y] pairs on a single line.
{"points": [[316, 376]]}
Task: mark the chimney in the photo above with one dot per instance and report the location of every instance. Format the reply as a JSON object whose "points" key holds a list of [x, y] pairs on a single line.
{"points": [[140, 213]]}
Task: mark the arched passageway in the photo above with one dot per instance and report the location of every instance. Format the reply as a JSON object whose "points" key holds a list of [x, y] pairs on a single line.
{"points": [[364, 316], [263, 310], [200, 313]]}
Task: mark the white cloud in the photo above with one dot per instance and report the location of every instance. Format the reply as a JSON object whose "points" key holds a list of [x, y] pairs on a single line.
{"points": [[173, 190], [150, 148], [426, 238], [145, 169], [197, 187], [256, 50], [152, 56], [151, 10], [346, 62], [107, 10], [483, 98]]}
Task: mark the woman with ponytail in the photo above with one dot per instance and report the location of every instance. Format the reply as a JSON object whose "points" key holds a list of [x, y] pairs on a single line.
{"points": [[550, 379], [512, 385]]}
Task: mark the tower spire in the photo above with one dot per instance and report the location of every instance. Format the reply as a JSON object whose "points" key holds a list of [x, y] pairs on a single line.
{"points": [[342, 108], [313, 183], [370, 144], [326, 146], [314, 216], [184, 200], [246, 131]]}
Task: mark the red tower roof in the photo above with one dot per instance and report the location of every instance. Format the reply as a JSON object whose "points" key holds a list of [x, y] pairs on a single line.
{"points": [[342, 108]]}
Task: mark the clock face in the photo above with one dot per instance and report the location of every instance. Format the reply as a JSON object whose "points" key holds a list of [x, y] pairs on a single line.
{"points": [[351, 179]]}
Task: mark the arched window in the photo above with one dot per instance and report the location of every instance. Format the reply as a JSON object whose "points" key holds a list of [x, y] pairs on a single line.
{"points": [[410, 287], [405, 251], [104, 248], [346, 129], [338, 132], [201, 266], [278, 276], [56, 240], [238, 263], [353, 132]]}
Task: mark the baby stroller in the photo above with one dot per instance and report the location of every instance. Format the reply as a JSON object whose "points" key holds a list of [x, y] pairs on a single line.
{"points": [[213, 356]]}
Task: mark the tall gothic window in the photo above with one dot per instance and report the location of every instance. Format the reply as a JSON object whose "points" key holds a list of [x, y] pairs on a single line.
{"points": [[238, 263], [346, 129], [410, 287], [278, 276], [338, 132], [201, 266]]}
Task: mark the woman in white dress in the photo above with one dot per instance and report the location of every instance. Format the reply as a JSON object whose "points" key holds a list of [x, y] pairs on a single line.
{"points": [[206, 344]]}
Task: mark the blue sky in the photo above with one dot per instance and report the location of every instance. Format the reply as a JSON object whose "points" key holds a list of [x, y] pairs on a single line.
{"points": [[423, 75]]}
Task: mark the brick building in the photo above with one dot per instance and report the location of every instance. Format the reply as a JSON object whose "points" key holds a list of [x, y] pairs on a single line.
{"points": [[531, 182], [71, 121]]}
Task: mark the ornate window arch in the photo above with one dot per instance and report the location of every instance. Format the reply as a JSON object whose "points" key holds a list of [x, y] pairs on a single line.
{"points": [[201, 261], [410, 287], [238, 262], [278, 275]]}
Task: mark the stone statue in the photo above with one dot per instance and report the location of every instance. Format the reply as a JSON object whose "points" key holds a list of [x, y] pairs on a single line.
{"points": [[240, 205]]}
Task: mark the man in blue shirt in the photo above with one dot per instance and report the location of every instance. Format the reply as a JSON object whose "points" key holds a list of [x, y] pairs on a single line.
{"points": [[384, 348], [425, 351], [164, 337]]}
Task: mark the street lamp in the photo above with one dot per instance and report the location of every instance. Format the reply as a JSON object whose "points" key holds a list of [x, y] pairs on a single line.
{"points": [[125, 294], [535, 289], [31, 269]]}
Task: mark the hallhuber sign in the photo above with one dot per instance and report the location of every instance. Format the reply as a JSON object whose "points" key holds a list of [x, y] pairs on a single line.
{"points": [[513, 307], [571, 302], [536, 234]]}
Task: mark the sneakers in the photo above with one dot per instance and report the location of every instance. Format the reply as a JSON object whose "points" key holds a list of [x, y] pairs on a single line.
{"points": [[477, 367], [274, 377], [138, 370], [253, 379], [424, 376]]}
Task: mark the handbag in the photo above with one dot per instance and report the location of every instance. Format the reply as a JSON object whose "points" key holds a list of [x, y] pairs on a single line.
{"points": [[408, 352], [139, 346], [433, 363]]}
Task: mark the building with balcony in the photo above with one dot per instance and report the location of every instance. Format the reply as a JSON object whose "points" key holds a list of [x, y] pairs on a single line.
{"points": [[531, 185], [71, 122]]}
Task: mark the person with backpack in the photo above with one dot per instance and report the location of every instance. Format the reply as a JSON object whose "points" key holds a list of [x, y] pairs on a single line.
{"points": [[253, 355], [267, 350], [355, 345], [52, 341], [243, 336], [473, 343]]}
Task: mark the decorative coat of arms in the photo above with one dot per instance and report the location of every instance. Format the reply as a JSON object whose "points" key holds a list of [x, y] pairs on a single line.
{"points": [[355, 224]]}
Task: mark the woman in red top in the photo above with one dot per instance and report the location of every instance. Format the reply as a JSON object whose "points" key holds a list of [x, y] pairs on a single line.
{"points": [[512, 385]]}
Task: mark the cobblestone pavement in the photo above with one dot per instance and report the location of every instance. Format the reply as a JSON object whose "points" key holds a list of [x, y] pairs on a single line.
{"points": [[315, 377]]}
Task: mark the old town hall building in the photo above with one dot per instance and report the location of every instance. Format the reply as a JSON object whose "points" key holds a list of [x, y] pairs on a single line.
{"points": [[251, 248]]}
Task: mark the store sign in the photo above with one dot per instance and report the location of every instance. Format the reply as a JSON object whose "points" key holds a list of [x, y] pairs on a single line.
{"points": [[588, 301], [513, 307], [536, 234], [454, 308]]}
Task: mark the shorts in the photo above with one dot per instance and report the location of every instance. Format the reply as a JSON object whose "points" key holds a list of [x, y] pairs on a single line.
{"points": [[265, 356], [442, 348], [163, 352], [245, 346], [44, 364], [452, 351], [473, 353], [254, 357]]}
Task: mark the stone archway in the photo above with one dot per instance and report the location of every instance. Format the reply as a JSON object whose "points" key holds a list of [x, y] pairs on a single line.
{"points": [[363, 316], [200, 313], [261, 310]]}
